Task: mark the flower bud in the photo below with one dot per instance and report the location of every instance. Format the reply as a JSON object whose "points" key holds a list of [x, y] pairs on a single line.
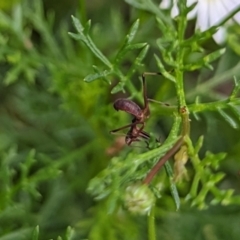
{"points": [[138, 198]]}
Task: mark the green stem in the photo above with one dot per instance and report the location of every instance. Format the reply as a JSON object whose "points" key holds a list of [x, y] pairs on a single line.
{"points": [[195, 185], [179, 72], [179, 86], [212, 106], [179, 58], [185, 121], [151, 225], [82, 11]]}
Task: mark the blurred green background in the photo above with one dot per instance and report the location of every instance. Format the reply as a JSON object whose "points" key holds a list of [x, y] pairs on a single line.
{"points": [[54, 127]]}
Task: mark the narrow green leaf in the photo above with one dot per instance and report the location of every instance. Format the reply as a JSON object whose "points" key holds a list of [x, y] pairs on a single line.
{"points": [[93, 77], [35, 234], [227, 199], [112, 201], [199, 144], [213, 160], [215, 178], [228, 119], [163, 27], [77, 24], [136, 4], [152, 7], [18, 18], [135, 46], [205, 61], [173, 187], [196, 116], [88, 41], [201, 36], [235, 109], [127, 42], [235, 89], [137, 61], [214, 55], [76, 36], [190, 8], [69, 233], [25, 167], [127, 48], [20, 67], [141, 55], [165, 73], [166, 50], [88, 26], [118, 88], [98, 186], [132, 32]]}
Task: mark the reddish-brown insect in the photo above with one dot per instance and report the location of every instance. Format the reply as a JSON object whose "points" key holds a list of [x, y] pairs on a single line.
{"points": [[140, 115]]}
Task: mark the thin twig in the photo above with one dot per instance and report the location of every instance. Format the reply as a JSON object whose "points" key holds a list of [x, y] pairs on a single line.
{"points": [[162, 160]]}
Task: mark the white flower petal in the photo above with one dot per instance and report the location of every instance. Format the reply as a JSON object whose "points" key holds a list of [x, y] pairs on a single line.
{"points": [[209, 13], [220, 36], [165, 4], [202, 16], [236, 1], [175, 10], [230, 5], [217, 12]]}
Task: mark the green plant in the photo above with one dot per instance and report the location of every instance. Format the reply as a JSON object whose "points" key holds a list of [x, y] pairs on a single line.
{"points": [[54, 127], [125, 171]]}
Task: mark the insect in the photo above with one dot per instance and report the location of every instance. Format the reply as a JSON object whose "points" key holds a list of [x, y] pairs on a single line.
{"points": [[139, 115]]}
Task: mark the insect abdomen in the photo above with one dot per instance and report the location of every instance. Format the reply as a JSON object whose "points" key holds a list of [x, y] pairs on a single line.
{"points": [[128, 106]]}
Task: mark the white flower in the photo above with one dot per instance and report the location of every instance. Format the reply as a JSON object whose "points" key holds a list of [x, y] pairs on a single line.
{"points": [[208, 12]]}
